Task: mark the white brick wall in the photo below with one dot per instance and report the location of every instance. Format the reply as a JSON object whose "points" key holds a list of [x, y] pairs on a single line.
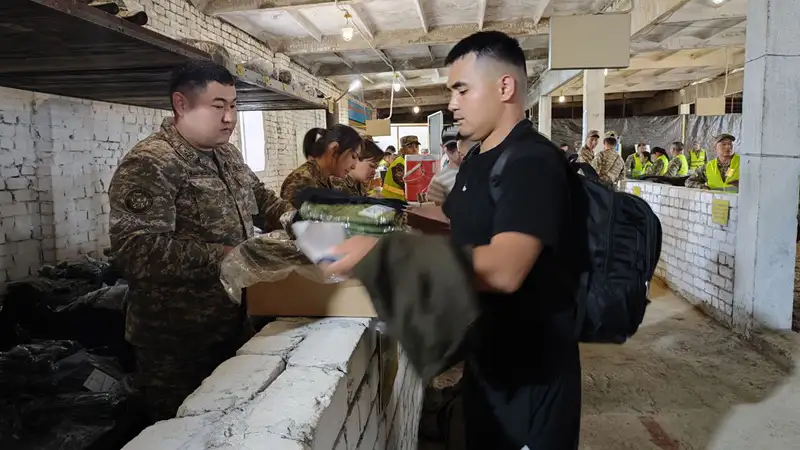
{"points": [[298, 384], [57, 155], [697, 255]]}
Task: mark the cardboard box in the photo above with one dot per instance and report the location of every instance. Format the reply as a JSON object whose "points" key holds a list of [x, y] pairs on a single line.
{"points": [[296, 296]]}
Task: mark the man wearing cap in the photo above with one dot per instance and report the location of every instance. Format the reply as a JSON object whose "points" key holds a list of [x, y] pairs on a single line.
{"points": [[660, 162], [394, 184], [721, 173], [442, 183], [586, 153]]}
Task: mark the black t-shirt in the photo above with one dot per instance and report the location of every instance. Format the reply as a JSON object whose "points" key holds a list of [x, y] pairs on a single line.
{"points": [[529, 332]]}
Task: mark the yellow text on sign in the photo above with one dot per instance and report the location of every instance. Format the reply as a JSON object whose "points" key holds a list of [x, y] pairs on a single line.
{"points": [[637, 191], [719, 211]]}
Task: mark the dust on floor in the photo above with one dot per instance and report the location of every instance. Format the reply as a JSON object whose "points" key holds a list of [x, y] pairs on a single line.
{"points": [[671, 386]]}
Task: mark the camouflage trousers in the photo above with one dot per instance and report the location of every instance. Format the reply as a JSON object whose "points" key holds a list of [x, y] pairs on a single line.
{"points": [[166, 376]]}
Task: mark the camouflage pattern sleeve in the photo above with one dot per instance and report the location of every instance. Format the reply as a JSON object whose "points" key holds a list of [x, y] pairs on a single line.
{"points": [[655, 168], [142, 221], [698, 179], [673, 167], [630, 164], [296, 182], [271, 208], [398, 175]]}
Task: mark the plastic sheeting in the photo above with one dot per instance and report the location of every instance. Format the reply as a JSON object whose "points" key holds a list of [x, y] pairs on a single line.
{"points": [[656, 131]]}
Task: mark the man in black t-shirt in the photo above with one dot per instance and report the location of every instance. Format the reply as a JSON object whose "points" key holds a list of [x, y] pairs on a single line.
{"points": [[522, 377]]}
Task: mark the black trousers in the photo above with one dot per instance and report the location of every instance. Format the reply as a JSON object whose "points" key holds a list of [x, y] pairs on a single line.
{"points": [[509, 416]]}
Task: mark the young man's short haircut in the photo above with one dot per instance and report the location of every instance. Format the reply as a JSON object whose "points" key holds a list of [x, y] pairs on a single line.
{"points": [[610, 141], [193, 76], [490, 44], [678, 145]]}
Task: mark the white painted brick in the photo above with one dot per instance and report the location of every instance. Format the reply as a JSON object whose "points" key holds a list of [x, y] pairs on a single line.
{"points": [[303, 404], [232, 384], [175, 434], [277, 338]]}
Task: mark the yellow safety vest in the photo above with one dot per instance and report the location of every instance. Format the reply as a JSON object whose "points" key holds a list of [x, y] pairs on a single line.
{"points": [[390, 188], [684, 170], [696, 159], [638, 168], [664, 166], [646, 167], [716, 181]]}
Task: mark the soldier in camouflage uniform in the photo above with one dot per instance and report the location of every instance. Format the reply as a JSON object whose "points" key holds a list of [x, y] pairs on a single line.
{"points": [[608, 164], [357, 182], [726, 166], [586, 153], [180, 201], [330, 153]]}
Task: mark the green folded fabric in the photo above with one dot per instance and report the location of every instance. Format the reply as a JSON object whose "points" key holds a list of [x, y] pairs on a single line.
{"points": [[374, 215]]}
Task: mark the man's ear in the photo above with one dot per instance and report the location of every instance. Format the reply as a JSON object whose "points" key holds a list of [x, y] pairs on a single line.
{"points": [[508, 87], [180, 103]]}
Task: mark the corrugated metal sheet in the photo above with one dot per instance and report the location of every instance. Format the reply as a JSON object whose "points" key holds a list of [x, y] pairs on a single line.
{"points": [[67, 48]]}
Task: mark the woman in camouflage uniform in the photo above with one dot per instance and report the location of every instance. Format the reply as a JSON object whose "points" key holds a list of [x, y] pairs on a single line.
{"points": [[331, 153], [357, 181]]}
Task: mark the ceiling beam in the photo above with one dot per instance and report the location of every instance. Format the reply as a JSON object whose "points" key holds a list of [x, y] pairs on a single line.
{"points": [[358, 15], [306, 24], [333, 70], [403, 38], [421, 13], [481, 13], [671, 99], [217, 7], [543, 9], [422, 91], [406, 102]]}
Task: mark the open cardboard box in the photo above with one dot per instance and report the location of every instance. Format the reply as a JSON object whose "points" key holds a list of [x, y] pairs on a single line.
{"points": [[297, 296]]}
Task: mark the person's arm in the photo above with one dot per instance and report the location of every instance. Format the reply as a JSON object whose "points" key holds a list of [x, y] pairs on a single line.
{"points": [[435, 191], [271, 208], [672, 168], [398, 175], [142, 223], [698, 179], [629, 164], [527, 219]]}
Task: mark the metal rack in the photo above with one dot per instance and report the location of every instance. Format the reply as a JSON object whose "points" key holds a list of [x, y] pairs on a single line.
{"points": [[67, 48]]}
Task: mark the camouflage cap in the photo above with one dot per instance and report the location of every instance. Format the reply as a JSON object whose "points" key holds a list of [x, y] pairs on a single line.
{"points": [[593, 133], [724, 136], [611, 134], [408, 140]]}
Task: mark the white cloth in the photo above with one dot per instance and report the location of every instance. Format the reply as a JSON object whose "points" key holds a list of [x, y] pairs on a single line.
{"points": [[441, 184]]}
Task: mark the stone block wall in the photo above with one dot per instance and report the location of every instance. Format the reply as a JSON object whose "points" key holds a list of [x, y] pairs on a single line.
{"points": [[697, 255], [298, 384], [57, 155]]}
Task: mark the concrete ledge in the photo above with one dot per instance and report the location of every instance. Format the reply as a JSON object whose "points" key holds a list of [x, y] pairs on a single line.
{"points": [[299, 384]]}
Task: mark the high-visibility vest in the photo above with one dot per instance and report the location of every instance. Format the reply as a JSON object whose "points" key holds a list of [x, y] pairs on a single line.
{"points": [[715, 180], [684, 170], [664, 166], [696, 159], [647, 166], [390, 188], [638, 168]]}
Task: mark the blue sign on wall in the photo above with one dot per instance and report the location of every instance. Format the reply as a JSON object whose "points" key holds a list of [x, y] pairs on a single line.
{"points": [[358, 113]]}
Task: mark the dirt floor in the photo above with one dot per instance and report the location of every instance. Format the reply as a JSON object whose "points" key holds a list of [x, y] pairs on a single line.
{"points": [[677, 384]]}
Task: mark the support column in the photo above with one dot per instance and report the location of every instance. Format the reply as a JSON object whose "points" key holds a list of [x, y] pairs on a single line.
{"points": [[770, 167], [546, 115], [594, 102]]}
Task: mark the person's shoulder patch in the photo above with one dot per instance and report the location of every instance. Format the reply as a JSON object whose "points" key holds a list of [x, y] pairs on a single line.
{"points": [[138, 201]]}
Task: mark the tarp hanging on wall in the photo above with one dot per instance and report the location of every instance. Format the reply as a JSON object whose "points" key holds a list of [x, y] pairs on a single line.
{"points": [[656, 131]]}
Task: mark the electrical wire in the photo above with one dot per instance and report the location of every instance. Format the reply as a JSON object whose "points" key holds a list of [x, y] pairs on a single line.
{"points": [[382, 57]]}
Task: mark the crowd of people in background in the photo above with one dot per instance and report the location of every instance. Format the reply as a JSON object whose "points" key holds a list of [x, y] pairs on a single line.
{"points": [[675, 165]]}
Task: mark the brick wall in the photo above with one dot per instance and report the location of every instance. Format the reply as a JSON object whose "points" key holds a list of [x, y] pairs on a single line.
{"points": [[57, 155], [697, 255], [298, 384]]}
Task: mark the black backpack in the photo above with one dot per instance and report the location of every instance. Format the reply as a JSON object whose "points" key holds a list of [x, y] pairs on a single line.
{"points": [[620, 250]]}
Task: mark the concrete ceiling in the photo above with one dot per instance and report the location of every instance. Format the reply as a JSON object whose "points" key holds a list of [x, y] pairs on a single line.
{"points": [[675, 43]]}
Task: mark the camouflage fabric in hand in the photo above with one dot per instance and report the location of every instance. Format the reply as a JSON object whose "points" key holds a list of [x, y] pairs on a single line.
{"points": [[264, 259], [364, 214]]}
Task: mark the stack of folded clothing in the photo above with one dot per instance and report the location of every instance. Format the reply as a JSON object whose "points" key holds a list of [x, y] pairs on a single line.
{"points": [[373, 220]]}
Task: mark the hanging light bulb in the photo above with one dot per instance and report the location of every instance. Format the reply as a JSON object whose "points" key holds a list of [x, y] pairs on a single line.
{"points": [[561, 99], [347, 30], [396, 86], [354, 85], [605, 71], [416, 110]]}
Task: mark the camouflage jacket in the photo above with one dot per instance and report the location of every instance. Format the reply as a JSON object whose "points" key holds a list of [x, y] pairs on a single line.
{"points": [[585, 155], [173, 209], [609, 166], [699, 179], [351, 186], [656, 168], [308, 175]]}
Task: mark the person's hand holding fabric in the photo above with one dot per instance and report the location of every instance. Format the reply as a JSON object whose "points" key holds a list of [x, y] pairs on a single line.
{"points": [[352, 251]]}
